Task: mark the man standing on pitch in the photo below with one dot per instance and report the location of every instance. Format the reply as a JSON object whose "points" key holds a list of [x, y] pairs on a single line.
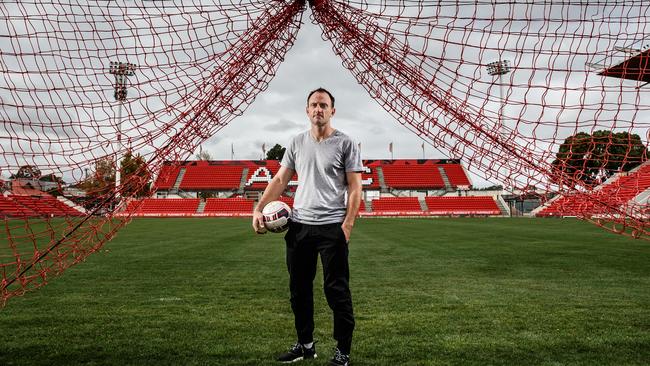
{"points": [[328, 163]]}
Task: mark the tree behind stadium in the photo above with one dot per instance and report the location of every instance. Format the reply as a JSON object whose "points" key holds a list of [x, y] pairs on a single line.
{"points": [[102, 181], [276, 152], [592, 158]]}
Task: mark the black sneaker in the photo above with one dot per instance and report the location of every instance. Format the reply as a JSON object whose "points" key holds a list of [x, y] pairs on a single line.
{"points": [[298, 352], [339, 359]]}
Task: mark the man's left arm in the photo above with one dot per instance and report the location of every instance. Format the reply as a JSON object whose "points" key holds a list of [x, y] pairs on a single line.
{"points": [[354, 199]]}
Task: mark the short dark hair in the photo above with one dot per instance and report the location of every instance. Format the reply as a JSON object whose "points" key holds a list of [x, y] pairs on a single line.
{"points": [[321, 90]]}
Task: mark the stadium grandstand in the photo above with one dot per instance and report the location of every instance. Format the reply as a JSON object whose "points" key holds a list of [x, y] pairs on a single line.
{"points": [[622, 190], [402, 187], [23, 198]]}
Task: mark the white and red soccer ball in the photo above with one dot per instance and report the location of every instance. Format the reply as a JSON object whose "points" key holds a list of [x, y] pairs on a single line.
{"points": [[276, 216]]}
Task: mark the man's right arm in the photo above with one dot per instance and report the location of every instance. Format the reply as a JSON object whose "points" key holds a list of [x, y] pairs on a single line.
{"points": [[272, 192]]}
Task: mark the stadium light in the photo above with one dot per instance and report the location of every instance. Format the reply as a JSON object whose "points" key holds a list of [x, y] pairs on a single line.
{"points": [[500, 68], [121, 70]]}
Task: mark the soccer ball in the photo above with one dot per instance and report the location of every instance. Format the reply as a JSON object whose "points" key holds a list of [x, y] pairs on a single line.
{"points": [[276, 216]]}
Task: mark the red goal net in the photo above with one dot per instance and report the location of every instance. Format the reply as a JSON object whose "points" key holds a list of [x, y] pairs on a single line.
{"points": [[540, 96]]}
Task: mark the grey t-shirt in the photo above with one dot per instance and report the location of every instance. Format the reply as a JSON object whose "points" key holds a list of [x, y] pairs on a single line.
{"points": [[322, 182]]}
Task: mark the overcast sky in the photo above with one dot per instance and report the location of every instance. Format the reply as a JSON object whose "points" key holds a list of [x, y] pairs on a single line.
{"points": [[58, 109], [279, 112]]}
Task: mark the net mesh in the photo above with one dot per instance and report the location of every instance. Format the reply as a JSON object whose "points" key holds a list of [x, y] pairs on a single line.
{"points": [[516, 90], [198, 67], [541, 96]]}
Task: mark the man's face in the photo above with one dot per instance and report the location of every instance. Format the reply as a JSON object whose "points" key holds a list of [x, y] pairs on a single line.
{"points": [[319, 109]]}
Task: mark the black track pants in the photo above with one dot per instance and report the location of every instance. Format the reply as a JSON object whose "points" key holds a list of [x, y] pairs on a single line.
{"points": [[304, 243]]}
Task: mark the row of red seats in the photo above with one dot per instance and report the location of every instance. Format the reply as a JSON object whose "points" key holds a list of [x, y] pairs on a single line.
{"points": [[481, 205], [166, 205], [456, 175], [221, 175], [167, 176], [416, 176], [191, 205], [28, 206], [208, 177], [228, 205], [12, 208], [614, 194], [394, 205]]}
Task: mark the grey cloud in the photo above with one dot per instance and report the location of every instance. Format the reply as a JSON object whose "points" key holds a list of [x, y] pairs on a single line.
{"points": [[377, 130], [284, 125]]}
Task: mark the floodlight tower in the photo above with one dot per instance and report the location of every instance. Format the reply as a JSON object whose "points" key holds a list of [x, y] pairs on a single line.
{"points": [[501, 67], [121, 70]]}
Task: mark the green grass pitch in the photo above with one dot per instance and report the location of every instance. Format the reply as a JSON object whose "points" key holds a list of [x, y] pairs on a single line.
{"points": [[426, 292]]}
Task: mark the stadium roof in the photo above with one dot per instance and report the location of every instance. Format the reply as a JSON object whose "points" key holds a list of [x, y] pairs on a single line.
{"points": [[636, 68]]}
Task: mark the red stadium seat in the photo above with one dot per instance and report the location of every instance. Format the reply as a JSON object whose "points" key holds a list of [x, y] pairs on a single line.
{"points": [[412, 176], [226, 205], [167, 177], [456, 174], [226, 175], [44, 205], [396, 205], [615, 193], [211, 177], [11, 208], [480, 205], [164, 206]]}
